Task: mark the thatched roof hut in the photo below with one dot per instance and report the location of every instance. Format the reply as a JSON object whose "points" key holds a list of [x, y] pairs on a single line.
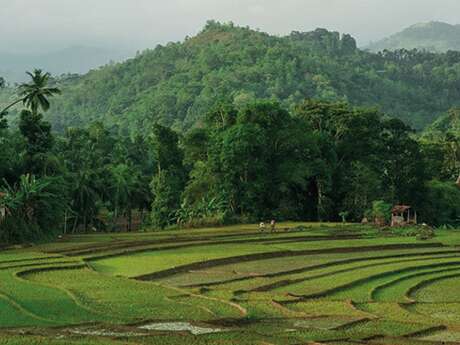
{"points": [[401, 215], [400, 209]]}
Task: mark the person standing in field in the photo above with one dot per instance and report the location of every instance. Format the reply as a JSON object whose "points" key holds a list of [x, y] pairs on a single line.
{"points": [[262, 227], [273, 225]]}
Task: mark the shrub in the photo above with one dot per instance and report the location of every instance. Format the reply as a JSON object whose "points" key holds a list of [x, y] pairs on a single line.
{"points": [[35, 209], [381, 212], [442, 205]]}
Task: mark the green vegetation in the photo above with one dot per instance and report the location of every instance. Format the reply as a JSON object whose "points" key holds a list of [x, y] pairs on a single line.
{"points": [[239, 157], [234, 282], [136, 206], [433, 36], [322, 161], [178, 83]]}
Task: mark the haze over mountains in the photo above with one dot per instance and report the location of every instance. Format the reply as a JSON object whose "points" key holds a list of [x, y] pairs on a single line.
{"points": [[431, 36], [75, 59]]}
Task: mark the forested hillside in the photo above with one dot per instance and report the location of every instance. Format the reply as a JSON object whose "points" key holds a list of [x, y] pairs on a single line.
{"points": [[432, 36], [177, 84], [321, 160], [448, 123]]}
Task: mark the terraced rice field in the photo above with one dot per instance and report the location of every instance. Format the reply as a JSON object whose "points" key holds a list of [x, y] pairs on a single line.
{"points": [[321, 284]]}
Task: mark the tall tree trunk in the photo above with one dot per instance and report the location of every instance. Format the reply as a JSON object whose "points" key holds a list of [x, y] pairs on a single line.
{"points": [[130, 219], [115, 218], [85, 224], [5, 110], [320, 201], [75, 223]]}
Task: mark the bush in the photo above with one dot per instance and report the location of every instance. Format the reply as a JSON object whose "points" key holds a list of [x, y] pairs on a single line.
{"points": [[35, 209], [208, 221], [442, 206], [381, 212]]}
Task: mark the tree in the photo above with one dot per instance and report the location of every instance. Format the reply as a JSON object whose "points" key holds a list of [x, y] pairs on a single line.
{"points": [[349, 140], [3, 122], [34, 95], [381, 212], [168, 183], [344, 215], [35, 209], [362, 184], [39, 141], [124, 181], [402, 165], [256, 161], [442, 203]]}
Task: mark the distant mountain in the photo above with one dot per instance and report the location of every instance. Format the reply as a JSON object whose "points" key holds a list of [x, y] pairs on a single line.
{"points": [[76, 59], [432, 36], [178, 83]]}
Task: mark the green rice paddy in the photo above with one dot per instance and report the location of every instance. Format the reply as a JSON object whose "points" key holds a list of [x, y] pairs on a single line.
{"points": [[319, 284]]}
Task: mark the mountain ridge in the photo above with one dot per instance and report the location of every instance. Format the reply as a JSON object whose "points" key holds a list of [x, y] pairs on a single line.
{"points": [[433, 36], [178, 83]]}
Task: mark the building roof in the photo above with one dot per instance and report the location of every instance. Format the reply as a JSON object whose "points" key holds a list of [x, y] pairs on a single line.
{"points": [[400, 208]]}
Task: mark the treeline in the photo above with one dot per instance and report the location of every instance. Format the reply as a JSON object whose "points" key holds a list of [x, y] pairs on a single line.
{"points": [[321, 161], [178, 83]]}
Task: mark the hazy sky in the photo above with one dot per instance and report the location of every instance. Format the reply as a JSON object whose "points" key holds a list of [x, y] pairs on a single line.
{"points": [[27, 25]]}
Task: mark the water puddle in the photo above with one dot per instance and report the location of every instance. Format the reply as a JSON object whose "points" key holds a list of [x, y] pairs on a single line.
{"points": [[180, 327], [106, 333]]}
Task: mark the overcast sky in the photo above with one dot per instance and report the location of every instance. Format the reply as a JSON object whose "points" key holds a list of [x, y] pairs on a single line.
{"points": [[34, 25]]}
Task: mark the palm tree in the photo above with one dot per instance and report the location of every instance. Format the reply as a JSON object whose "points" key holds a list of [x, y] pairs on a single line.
{"points": [[35, 94]]}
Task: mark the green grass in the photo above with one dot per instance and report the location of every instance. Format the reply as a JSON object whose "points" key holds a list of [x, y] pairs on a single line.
{"points": [[397, 290], [448, 283], [281, 267], [129, 300], [331, 283]]}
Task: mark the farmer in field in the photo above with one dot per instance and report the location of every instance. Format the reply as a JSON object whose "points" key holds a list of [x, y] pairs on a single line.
{"points": [[273, 225], [262, 227]]}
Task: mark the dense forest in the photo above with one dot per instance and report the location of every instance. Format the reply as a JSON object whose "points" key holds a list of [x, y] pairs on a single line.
{"points": [[176, 84], [321, 160]]}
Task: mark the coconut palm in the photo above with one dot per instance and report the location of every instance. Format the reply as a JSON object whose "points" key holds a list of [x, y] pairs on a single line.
{"points": [[35, 94]]}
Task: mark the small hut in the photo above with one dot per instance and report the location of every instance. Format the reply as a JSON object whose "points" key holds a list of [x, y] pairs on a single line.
{"points": [[402, 215]]}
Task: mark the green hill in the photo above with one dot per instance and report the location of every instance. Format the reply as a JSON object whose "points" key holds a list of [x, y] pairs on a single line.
{"points": [[178, 83], [432, 36], [448, 124]]}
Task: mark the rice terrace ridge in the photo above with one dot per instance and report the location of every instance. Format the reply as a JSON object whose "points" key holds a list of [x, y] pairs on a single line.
{"points": [[324, 283], [232, 172]]}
